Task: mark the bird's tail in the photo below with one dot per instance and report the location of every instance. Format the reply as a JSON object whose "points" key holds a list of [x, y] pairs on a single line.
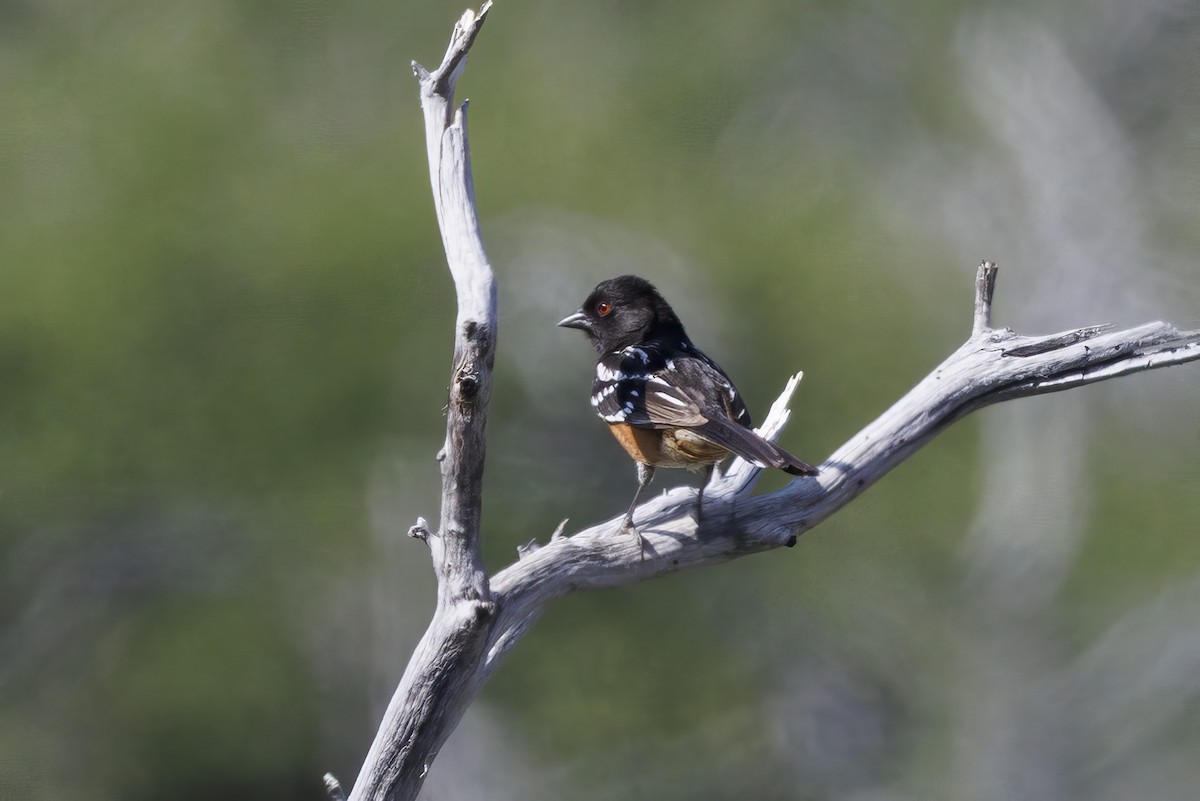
{"points": [[744, 442]]}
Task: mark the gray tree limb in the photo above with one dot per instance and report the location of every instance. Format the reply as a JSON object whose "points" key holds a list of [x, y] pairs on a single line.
{"points": [[432, 696], [478, 619]]}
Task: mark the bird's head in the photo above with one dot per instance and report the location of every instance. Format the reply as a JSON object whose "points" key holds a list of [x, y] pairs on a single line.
{"points": [[624, 311]]}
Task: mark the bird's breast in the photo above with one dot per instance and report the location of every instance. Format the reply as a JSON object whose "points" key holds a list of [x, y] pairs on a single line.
{"points": [[642, 444]]}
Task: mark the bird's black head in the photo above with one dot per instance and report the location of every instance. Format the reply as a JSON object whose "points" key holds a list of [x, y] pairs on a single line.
{"points": [[625, 311]]}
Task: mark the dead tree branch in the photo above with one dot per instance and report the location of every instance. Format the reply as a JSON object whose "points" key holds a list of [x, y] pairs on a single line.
{"points": [[432, 695], [478, 619]]}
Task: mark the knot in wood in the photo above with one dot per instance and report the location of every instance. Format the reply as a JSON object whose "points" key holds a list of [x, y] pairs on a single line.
{"points": [[478, 335], [484, 611], [468, 382]]}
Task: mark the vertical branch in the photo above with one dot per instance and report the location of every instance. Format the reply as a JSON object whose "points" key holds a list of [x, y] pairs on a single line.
{"points": [[460, 571], [442, 677]]}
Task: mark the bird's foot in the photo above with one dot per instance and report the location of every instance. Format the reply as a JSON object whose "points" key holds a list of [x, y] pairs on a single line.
{"points": [[627, 527]]}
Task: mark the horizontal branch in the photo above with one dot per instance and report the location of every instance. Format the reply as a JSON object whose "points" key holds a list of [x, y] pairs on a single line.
{"points": [[992, 366]]}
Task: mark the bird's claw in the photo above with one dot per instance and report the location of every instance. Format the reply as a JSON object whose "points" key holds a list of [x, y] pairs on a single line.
{"points": [[627, 527]]}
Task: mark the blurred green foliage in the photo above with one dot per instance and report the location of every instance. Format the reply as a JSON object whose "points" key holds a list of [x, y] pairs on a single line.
{"points": [[224, 337]]}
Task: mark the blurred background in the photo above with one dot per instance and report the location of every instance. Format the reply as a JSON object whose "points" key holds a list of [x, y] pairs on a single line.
{"points": [[225, 329]]}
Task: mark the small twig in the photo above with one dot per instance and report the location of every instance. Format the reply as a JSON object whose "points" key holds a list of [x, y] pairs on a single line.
{"points": [[333, 788], [559, 529], [420, 530], [985, 287], [442, 79]]}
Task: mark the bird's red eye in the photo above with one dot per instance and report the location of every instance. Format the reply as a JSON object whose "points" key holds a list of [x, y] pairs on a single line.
{"points": [[603, 308]]}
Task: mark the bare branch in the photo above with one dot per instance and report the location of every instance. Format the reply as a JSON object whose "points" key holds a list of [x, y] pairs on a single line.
{"points": [[981, 372], [436, 687], [460, 571], [477, 620]]}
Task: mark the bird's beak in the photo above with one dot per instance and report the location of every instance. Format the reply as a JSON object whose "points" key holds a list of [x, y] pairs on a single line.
{"points": [[577, 320]]}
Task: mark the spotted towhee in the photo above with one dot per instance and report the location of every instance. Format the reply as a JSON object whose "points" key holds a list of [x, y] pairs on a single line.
{"points": [[667, 403]]}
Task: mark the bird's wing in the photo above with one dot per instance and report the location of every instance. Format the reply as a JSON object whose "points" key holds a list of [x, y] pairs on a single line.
{"points": [[746, 443], [633, 386], [668, 405], [729, 421], [706, 382], [642, 387]]}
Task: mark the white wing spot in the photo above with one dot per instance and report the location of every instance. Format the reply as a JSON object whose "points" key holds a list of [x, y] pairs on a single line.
{"points": [[603, 393], [671, 399], [605, 373]]}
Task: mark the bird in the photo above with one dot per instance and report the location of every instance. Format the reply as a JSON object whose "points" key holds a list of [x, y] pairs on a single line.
{"points": [[667, 403]]}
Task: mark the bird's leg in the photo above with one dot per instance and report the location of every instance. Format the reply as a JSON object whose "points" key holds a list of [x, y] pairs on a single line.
{"points": [[708, 474], [645, 473]]}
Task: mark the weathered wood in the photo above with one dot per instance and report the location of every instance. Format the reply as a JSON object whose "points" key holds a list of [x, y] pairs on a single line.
{"points": [[981, 372], [477, 620], [432, 694]]}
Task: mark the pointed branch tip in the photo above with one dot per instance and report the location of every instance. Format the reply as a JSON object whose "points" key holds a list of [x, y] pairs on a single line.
{"points": [[558, 532], [333, 788], [985, 287], [465, 30]]}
